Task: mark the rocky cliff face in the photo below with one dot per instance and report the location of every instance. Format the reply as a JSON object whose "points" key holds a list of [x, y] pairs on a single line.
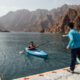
{"points": [[38, 21], [71, 15]]}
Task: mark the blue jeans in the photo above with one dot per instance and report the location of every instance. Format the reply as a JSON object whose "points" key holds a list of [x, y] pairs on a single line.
{"points": [[74, 54]]}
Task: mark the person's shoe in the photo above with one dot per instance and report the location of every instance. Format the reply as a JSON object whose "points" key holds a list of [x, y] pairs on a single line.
{"points": [[69, 70]]}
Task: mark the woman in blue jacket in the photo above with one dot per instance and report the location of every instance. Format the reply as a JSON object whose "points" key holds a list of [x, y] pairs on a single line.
{"points": [[74, 44]]}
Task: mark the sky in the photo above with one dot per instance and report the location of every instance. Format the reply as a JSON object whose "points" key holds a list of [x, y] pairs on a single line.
{"points": [[13, 5]]}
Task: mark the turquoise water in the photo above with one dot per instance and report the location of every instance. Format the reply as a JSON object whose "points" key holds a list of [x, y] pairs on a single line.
{"points": [[15, 65]]}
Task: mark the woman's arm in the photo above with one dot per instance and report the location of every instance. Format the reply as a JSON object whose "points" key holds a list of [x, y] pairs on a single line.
{"points": [[65, 35], [71, 39]]}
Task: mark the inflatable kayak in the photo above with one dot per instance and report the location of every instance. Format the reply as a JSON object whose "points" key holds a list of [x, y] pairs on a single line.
{"points": [[36, 52]]}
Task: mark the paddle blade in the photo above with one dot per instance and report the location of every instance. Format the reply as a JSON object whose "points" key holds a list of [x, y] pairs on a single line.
{"points": [[21, 52]]}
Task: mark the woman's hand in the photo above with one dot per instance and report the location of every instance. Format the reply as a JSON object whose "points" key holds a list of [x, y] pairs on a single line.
{"points": [[63, 35], [67, 48]]}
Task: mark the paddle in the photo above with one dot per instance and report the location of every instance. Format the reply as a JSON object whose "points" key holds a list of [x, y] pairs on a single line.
{"points": [[39, 45], [44, 43], [21, 52]]}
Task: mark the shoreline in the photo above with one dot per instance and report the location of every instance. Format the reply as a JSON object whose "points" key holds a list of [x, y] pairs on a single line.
{"points": [[45, 73]]}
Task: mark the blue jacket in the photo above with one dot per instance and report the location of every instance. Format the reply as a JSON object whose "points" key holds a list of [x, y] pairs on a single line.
{"points": [[74, 37]]}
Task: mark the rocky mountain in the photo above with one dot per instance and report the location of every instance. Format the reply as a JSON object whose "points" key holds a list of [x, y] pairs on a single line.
{"points": [[71, 15], [34, 21], [24, 20], [2, 29]]}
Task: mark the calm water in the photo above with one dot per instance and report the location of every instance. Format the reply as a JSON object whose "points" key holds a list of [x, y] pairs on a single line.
{"points": [[15, 65]]}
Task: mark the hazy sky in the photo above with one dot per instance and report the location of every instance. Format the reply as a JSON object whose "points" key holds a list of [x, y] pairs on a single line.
{"points": [[12, 5]]}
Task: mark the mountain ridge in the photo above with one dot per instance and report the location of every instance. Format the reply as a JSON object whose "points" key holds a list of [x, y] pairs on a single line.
{"points": [[33, 21]]}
